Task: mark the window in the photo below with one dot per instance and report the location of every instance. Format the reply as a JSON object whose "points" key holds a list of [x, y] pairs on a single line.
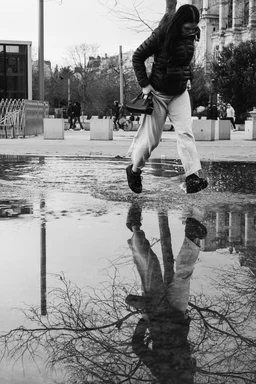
{"points": [[230, 12], [246, 13], [13, 71]]}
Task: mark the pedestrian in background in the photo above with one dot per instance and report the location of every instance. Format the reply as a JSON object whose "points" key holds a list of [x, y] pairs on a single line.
{"points": [[77, 115], [115, 115], [222, 111], [230, 112], [121, 117], [172, 45], [70, 113]]}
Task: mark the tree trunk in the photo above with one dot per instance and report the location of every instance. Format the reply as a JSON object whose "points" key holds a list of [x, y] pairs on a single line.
{"points": [[171, 6]]}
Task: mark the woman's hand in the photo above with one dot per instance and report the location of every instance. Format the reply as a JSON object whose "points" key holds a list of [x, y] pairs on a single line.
{"points": [[147, 89]]}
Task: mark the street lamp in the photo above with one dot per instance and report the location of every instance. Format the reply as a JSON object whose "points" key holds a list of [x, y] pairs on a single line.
{"points": [[41, 50], [68, 82], [121, 75], [68, 89]]}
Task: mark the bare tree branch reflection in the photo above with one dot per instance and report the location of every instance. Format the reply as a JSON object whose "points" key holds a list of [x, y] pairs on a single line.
{"points": [[88, 332], [223, 330]]}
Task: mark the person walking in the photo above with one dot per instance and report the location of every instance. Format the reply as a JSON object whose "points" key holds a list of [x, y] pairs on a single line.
{"points": [[121, 117], [115, 115], [77, 115], [172, 45], [70, 113], [230, 112]]}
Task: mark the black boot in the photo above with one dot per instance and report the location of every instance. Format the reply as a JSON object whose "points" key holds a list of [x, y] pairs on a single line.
{"points": [[195, 183], [134, 179]]}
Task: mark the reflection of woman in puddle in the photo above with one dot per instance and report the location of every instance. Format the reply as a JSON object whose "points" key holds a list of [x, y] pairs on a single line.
{"points": [[164, 303]]}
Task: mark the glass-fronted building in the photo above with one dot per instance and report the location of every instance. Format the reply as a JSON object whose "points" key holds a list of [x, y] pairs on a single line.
{"points": [[15, 70]]}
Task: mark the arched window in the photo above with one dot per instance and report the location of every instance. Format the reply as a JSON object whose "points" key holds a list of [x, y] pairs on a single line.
{"points": [[230, 13], [216, 52], [246, 13]]}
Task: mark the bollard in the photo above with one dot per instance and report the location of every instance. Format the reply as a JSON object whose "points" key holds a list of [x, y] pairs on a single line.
{"points": [[54, 129], [101, 129]]}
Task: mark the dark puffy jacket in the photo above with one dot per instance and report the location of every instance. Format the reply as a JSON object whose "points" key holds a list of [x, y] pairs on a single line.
{"points": [[170, 71], [70, 110], [77, 109]]}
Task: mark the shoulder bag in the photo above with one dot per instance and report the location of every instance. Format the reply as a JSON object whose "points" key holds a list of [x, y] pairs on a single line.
{"points": [[141, 104]]}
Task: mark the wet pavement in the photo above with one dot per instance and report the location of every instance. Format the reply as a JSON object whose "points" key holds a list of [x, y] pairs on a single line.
{"points": [[78, 143], [109, 287]]}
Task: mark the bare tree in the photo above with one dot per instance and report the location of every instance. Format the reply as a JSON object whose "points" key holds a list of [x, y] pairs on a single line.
{"points": [[79, 54], [136, 15], [133, 14], [95, 82], [79, 59]]}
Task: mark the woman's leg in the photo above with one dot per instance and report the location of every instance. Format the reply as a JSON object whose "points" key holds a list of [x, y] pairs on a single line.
{"points": [[148, 135], [79, 121], [180, 115], [74, 122], [148, 266], [179, 289]]}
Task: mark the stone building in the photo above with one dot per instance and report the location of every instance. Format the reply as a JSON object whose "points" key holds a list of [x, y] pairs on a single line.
{"points": [[47, 68], [223, 22]]}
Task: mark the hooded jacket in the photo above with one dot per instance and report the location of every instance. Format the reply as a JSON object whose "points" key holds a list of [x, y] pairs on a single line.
{"points": [[170, 354], [171, 70]]}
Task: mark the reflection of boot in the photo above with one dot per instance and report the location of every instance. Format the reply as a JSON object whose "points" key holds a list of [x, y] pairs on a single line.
{"points": [[194, 229], [133, 220]]}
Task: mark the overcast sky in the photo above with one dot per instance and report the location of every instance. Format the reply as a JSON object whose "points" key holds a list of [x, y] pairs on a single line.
{"points": [[72, 22]]}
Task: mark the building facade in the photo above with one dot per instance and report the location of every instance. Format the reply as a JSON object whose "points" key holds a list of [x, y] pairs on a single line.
{"points": [[15, 70], [47, 68], [224, 22]]}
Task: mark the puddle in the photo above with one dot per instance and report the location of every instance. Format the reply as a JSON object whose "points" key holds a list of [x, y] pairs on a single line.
{"points": [[126, 305]]}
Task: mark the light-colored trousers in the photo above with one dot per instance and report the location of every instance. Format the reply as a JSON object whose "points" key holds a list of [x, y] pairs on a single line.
{"points": [[177, 289], [148, 136]]}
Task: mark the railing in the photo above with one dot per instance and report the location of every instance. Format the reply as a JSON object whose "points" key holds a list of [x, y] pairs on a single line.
{"points": [[22, 117], [11, 117]]}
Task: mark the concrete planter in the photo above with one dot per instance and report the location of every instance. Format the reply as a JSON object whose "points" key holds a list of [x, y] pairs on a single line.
{"points": [[101, 129], [54, 129], [222, 129], [250, 130], [250, 126], [203, 130]]}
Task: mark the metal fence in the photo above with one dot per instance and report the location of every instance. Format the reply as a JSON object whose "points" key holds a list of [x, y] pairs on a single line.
{"points": [[22, 117], [35, 112]]}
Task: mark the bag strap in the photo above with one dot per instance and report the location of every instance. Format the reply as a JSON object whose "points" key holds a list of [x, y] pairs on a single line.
{"points": [[140, 96]]}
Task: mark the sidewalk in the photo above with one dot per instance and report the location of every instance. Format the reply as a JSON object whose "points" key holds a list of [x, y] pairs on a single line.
{"points": [[78, 143]]}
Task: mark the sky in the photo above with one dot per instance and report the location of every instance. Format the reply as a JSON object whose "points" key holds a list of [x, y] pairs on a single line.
{"points": [[74, 22]]}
